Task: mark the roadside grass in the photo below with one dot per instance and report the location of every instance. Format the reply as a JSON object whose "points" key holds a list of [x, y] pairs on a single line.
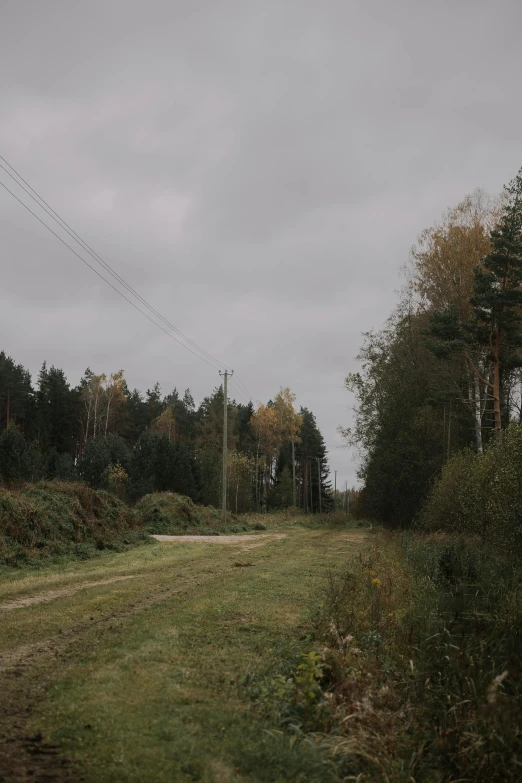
{"points": [[53, 522], [50, 519], [415, 672], [293, 518], [172, 514], [164, 694]]}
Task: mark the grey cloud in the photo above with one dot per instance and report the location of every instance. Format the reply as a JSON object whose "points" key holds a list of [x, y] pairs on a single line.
{"points": [[258, 171]]}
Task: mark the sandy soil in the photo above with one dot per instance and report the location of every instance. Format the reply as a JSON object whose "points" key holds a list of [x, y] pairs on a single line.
{"points": [[220, 539], [252, 540]]}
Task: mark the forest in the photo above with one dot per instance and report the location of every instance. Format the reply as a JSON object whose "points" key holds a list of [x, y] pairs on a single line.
{"points": [[438, 408], [435, 600], [133, 444]]}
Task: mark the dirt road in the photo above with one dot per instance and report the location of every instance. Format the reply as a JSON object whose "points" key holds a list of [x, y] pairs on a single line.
{"points": [[132, 667]]}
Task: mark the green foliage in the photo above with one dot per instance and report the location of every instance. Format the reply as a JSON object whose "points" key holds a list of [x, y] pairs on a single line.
{"points": [[453, 505], [56, 411], [117, 480], [481, 495], [163, 443], [423, 638], [61, 466], [403, 402], [282, 494], [498, 294], [98, 455], [297, 698], [208, 469], [16, 459], [168, 513], [17, 404], [158, 465], [60, 517], [444, 370], [309, 447]]}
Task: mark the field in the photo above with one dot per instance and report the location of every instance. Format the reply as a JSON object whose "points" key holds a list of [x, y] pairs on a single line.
{"points": [[138, 665]]}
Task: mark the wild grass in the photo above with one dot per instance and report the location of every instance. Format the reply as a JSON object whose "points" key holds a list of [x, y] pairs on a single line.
{"points": [[414, 672], [172, 514], [294, 518], [55, 518]]}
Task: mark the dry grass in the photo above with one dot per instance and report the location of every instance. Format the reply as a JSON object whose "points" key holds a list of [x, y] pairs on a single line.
{"points": [[421, 642]]}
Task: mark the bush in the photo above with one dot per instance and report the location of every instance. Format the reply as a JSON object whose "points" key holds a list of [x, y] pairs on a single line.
{"points": [[422, 640], [59, 517], [61, 466], [481, 495], [170, 514], [167, 513]]}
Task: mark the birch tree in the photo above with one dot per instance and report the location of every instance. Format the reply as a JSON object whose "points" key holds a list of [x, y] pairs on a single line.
{"points": [[442, 274]]}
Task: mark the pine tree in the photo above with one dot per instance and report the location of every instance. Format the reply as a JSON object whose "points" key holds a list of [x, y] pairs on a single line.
{"points": [[16, 396], [313, 475], [497, 300], [15, 456], [57, 406]]}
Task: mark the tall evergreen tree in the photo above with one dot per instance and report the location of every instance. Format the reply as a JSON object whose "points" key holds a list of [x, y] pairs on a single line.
{"points": [[497, 300], [15, 456], [16, 396], [57, 412], [313, 465]]}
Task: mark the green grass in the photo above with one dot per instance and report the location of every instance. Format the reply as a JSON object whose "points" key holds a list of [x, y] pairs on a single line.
{"points": [[172, 514], [161, 692]]}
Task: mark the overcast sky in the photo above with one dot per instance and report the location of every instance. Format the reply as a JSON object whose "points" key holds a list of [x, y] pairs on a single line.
{"points": [[256, 169]]}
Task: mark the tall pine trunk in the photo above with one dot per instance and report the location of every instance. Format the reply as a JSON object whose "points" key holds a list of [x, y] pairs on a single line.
{"points": [[477, 411], [496, 383]]}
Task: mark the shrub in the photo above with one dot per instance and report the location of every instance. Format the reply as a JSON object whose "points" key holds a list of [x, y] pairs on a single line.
{"points": [[481, 495], [168, 513], [422, 639], [171, 514], [59, 517]]}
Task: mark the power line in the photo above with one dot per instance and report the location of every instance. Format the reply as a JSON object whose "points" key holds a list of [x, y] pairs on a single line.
{"points": [[46, 207], [240, 382], [105, 279], [238, 391], [85, 246]]}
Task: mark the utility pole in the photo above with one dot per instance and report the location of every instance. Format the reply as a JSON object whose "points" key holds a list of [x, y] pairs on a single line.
{"points": [[319, 480], [225, 375], [293, 474]]}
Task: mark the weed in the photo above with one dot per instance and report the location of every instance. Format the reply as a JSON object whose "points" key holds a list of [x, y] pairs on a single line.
{"points": [[56, 518], [422, 641]]}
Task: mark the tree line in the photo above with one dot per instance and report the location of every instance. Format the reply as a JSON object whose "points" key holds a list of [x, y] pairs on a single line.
{"points": [[445, 372], [131, 443]]}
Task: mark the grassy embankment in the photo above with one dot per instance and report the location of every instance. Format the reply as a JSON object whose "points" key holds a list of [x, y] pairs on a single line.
{"points": [[156, 676], [51, 519]]}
